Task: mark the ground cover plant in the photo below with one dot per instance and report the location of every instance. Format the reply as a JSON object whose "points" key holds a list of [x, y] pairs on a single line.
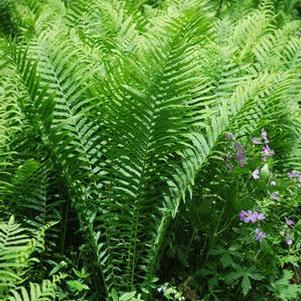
{"points": [[150, 150]]}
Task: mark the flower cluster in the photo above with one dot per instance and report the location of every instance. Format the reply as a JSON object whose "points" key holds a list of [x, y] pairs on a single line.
{"points": [[288, 238], [262, 172], [240, 154], [264, 136], [266, 151], [250, 216]]}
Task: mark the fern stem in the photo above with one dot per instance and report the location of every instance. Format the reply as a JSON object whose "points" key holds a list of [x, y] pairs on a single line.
{"points": [[220, 5], [65, 226]]}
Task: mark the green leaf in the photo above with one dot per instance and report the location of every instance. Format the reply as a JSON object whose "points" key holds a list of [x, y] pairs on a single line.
{"points": [[127, 296], [77, 285], [226, 260], [245, 285], [264, 172], [114, 295]]}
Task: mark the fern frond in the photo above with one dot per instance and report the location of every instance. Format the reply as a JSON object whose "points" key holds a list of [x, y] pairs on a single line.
{"points": [[46, 291], [15, 251], [156, 111], [17, 245], [37, 292]]}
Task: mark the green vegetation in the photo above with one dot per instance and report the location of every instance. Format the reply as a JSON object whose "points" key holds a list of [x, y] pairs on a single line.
{"points": [[150, 150]]}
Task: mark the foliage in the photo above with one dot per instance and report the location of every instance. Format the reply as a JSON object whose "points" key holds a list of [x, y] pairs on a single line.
{"points": [[16, 249], [113, 118], [277, 201]]}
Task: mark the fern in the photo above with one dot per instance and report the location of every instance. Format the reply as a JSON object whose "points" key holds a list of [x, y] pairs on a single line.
{"points": [[46, 291], [16, 248]]}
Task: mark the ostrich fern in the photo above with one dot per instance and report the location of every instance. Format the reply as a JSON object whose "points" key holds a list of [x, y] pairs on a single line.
{"points": [[128, 102], [16, 249]]}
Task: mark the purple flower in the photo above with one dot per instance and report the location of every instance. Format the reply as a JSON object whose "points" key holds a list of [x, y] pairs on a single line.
{"points": [[237, 146], [229, 136], [259, 216], [255, 174], [264, 136], [256, 140], [249, 216], [275, 195], [288, 239], [289, 222], [294, 174], [266, 152], [259, 235], [240, 154]]}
